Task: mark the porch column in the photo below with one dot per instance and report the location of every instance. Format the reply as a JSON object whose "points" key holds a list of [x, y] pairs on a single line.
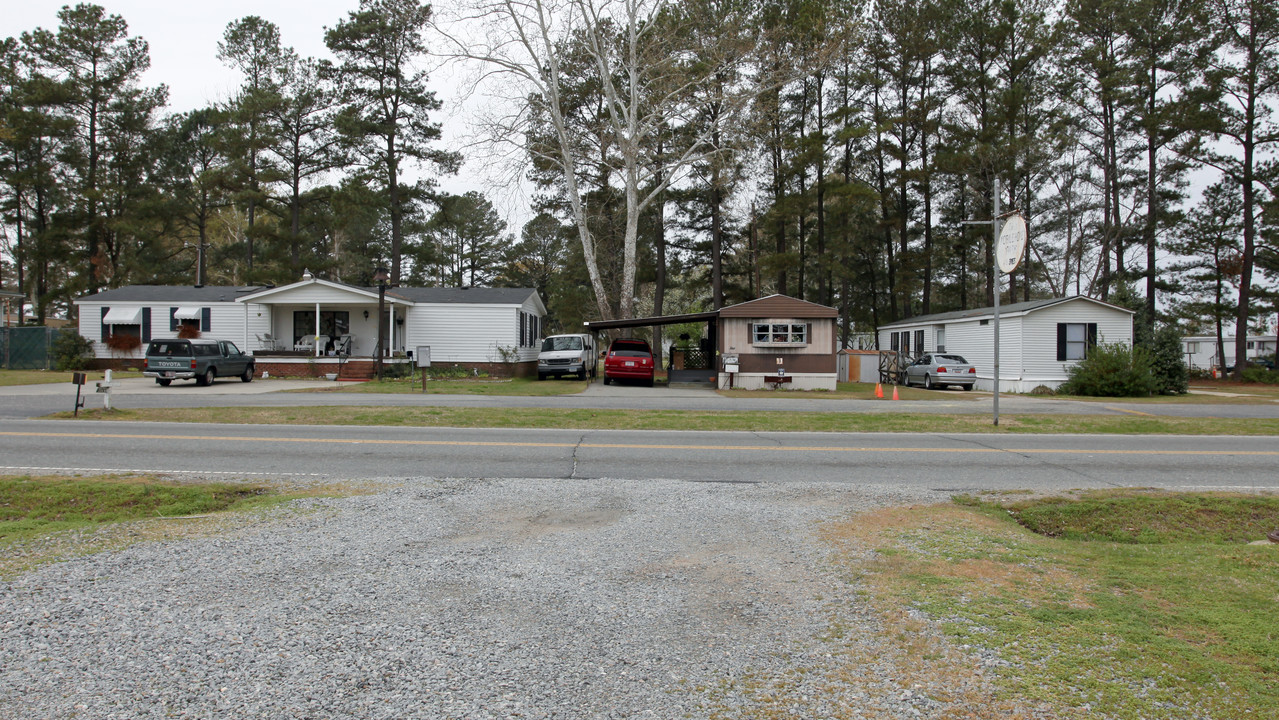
{"points": [[391, 320], [315, 336]]}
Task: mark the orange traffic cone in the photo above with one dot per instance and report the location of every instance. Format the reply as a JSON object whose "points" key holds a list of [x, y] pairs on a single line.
{"points": [[879, 391], [894, 392]]}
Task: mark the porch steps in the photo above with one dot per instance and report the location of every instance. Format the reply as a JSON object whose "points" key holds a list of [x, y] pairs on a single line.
{"points": [[357, 370]]}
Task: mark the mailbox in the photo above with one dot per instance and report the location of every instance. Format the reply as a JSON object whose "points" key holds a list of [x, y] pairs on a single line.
{"points": [[423, 356]]}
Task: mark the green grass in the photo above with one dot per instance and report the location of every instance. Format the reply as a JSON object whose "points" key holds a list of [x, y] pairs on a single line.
{"points": [[33, 506], [1155, 518], [477, 386], [857, 391], [598, 419], [10, 378], [1175, 622]]}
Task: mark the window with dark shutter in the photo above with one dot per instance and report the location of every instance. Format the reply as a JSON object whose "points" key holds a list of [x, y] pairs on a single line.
{"points": [[106, 329], [1074, 339], [173, 319], [206, 319], [146, 324]]}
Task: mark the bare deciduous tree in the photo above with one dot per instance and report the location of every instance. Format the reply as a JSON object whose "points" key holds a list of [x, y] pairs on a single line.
{"points": [[649, 82]]}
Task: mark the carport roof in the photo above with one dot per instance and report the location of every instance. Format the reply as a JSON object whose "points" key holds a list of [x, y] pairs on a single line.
{"points": [[650, 321]]}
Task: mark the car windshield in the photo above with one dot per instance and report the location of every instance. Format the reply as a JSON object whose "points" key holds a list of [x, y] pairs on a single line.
{"points": [[952, 358], [169, 349], [561, 343]]}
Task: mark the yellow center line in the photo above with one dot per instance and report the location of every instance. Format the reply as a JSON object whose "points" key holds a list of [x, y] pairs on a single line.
{"points": [[646, 446], [1130, 412]]}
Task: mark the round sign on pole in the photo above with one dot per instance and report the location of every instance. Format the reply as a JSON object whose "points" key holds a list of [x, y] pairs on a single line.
{"points": [[1012, 243]]}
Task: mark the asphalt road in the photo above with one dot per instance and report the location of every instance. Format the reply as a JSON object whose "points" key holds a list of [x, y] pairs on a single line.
{"points": [[31, 401], [951, 463]]}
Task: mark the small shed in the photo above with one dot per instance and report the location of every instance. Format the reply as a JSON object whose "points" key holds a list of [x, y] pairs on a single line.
{"points": [[1039, 340], [859, 366], [778, 341]]}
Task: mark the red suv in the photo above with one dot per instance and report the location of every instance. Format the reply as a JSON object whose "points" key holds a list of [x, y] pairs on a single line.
{"points": [[629, 359]]}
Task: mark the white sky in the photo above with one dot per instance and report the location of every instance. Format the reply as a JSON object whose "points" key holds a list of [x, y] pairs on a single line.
{"points": [[183, 38]]}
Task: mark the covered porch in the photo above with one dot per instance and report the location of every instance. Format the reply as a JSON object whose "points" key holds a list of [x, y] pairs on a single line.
{"points": [[318, 322]]}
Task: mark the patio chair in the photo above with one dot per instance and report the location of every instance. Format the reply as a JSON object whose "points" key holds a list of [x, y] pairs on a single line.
{"points": [[305, 343], [343, 346]]}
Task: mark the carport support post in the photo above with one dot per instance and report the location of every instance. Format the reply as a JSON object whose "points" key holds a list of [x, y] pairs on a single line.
{"points": [[999, 282]]}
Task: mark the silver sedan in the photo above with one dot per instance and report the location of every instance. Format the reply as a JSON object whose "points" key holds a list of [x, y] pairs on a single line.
{"points": [[941, 369]]}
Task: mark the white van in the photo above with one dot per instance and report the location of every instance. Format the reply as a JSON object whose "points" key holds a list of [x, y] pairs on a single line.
{"points": [[567, 355]]}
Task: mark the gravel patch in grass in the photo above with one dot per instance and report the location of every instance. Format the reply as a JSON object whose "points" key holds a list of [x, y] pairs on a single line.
{"points": [[473, 598]]}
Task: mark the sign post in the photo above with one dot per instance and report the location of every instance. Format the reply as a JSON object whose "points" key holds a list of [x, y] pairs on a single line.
{"points": [[1010, 243], [423, 358]]}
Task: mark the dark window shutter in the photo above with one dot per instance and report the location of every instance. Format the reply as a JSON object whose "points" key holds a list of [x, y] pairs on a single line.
{"points": [[146, 324], [1092, 337], [206, 319], [106, 329], [173, 320], [808, 334], [1061, 341]]}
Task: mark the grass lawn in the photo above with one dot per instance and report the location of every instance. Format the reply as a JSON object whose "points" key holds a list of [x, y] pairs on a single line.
{"points": [[857, 391], [1124, 604], [1237, 395], [588, 419], [41, 377], [476, 386], [48, 518]]}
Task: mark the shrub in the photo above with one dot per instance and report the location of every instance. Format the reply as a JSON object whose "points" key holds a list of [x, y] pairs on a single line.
{"points": [[1115, 370], [1260, 374], [70, 351], [1167, 364], [123, 343]]}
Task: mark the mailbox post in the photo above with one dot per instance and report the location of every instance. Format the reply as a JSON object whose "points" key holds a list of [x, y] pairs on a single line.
{"points": [[423, 359], [78, 379], [104, 387]]}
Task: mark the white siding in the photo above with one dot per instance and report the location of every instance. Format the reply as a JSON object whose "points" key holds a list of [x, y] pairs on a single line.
{"points": [[463, 333], [1027, 342], [226, 322], [1042, 366]]}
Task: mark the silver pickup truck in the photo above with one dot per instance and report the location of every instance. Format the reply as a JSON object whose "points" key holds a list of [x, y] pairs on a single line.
{"points": [[201, 360]]}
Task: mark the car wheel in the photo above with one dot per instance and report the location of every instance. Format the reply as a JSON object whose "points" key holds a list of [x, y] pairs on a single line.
{"points": [[162, 382], [247, 376], [581, 374], [607, 380], [650, 382], [541, 377], [967, 387], [207, 378], [928, 382]]}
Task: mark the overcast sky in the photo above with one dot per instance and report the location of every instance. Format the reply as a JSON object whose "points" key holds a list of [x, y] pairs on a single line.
{"points": [[183, 38]]}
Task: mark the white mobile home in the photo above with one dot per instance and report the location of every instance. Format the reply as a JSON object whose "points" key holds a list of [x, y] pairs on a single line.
{"points": [[313, 320], [1201, 350], [1039, 341]]}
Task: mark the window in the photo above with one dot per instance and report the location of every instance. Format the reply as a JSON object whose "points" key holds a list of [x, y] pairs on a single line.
{"points": [[906, 342], [894, 341], [1252, 345], [1074, 339], [1192, 347], [919, 340], [333, 324], [779, 333]]}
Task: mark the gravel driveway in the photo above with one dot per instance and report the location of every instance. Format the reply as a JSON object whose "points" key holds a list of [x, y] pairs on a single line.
{"points": [[465, 599]]}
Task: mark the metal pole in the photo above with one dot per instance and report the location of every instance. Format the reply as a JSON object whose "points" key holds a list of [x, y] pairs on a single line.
{"points": [[381, 329], [998, 291]]}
